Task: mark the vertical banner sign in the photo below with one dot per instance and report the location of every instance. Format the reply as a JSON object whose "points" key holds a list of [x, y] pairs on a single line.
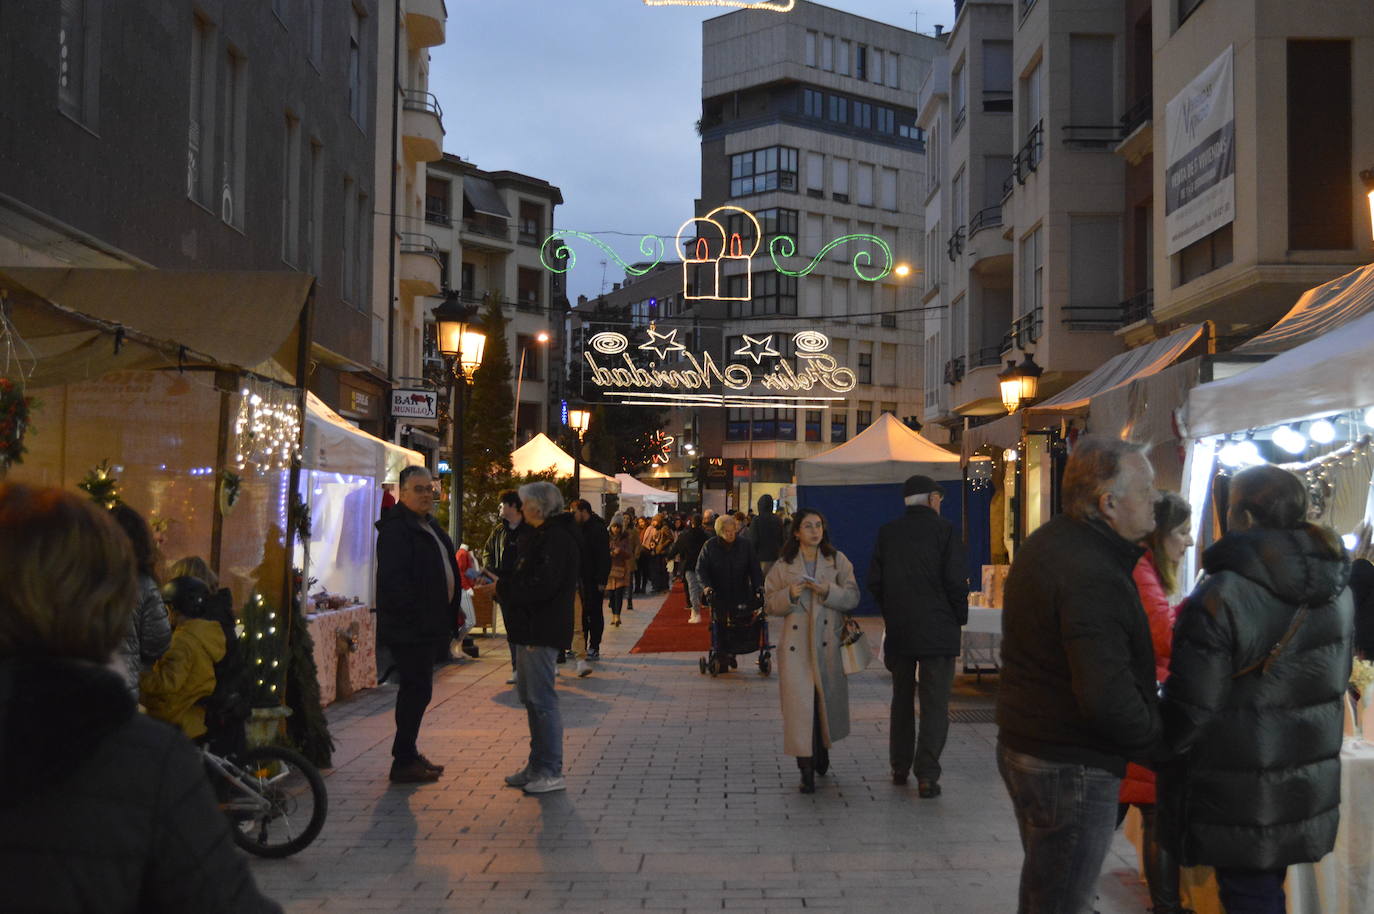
{"points": [[1200, 171]]}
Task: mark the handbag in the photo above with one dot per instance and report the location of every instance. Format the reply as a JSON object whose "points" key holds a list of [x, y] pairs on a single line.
{"points": [[855, 650]]}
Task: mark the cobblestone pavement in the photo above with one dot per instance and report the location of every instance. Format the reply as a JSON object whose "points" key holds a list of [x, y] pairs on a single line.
{"points": [[679, 799]]}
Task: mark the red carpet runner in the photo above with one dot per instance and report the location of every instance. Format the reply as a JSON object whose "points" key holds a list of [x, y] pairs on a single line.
{"points": [[670, 633]]}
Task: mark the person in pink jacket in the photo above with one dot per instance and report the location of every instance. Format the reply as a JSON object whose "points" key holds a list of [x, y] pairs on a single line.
{"points": [[1156, 578]]}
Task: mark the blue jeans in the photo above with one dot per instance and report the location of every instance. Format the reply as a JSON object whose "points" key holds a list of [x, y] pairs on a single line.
{"points": [[535, 672], [1066, 814], [1252, 891], [693, 590]]}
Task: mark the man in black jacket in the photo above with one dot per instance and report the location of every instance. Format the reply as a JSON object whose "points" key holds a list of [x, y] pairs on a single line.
{"points": [[418, 599], [687, 549], [1078, 694], [765, 532], [596, 566], [498, 554], [920, 580]]}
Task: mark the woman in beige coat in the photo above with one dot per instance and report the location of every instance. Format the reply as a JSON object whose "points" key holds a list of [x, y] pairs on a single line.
{"points": [[812, 586]]}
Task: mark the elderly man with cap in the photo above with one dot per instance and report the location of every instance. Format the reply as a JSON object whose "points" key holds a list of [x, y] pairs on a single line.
{"points": [[920, 580]]}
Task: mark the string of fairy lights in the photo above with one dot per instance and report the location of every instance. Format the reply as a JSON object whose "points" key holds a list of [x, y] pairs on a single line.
{"points": [[267, 429]]}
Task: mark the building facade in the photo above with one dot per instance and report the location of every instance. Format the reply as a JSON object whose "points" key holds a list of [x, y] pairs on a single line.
{"points": [[809, 122], [218, 137]]}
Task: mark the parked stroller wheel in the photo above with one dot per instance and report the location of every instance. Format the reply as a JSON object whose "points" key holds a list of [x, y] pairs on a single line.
{"points": [[713, 665], [702, 662], [734, 664], [765, 665]]}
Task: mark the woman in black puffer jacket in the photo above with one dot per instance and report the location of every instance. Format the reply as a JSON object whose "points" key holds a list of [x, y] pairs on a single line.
{"points": [[1258, 782]]}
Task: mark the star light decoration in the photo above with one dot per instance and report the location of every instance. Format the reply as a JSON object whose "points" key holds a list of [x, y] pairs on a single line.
{"points": [[662, 343], [757, 348], [664, 445]]}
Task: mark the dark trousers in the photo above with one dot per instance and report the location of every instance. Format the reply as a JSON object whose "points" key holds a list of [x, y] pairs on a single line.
{"points": [[906, 750], [616, 599], [1251, 891], [415, 674], [593, 619]]}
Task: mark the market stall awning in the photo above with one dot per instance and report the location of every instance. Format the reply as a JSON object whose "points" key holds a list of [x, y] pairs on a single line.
{"points": [[1328, 374], [484, 198], [1318, 311], [885, 452], [540, 454], [78, 324], [335, 445], [631, 486], [1122, 369]]}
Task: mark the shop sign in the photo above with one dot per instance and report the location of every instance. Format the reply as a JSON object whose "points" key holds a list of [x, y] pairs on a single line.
{"points": [[359, 402], [414, 404], [717, 470]]}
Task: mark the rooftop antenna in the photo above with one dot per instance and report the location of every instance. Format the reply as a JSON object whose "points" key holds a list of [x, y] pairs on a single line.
{"points": [[603, 276], [916, 21]]}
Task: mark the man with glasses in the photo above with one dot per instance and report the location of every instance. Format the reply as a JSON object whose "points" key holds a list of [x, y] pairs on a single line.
{"points": [[920, 580], [418, 601]]}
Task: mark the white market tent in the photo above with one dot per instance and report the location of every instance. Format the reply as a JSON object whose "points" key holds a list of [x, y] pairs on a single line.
{"points": [[639, 495], [1330, 373], [540, 454], [885, 452]]}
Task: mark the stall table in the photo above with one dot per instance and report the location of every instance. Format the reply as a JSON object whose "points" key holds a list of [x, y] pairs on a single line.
{"points": [[347, 635], [982, 642]]}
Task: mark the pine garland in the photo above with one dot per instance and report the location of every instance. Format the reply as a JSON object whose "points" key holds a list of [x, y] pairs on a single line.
{"points": [[102, 485], [263, 644], [307, 727]]}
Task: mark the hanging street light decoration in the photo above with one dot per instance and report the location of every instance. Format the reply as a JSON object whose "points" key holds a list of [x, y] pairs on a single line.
{"points": [[1019, 383]]}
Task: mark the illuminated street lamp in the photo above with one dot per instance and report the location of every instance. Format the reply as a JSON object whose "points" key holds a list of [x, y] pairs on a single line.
{"points": [[461, 342], [543, 337], [578, 420], [1019, 383]]}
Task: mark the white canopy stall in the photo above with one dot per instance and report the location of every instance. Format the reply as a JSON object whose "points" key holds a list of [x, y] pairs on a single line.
{"points": [[540, 454], [641, 496]]}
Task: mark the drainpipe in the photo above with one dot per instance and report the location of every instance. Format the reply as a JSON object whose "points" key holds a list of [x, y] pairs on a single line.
{"points": [[393, 300]]}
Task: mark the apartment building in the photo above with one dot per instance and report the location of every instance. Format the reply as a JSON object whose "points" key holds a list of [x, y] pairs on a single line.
{"points": [[1301, 92], [482, 232], [405, 261], [214, 136], [808, 121]]}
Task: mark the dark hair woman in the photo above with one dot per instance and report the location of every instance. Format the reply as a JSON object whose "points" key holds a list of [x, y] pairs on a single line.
{"points": [[150, 631], [811, 586], [1254, 704]]}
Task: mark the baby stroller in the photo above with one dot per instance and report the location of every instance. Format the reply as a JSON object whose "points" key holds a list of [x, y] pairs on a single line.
{"points": [[736, 630]]}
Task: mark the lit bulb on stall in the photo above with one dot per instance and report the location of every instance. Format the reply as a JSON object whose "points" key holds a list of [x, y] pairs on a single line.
{"points": [[1291, 441], [1369, 417], [1322, 431]]}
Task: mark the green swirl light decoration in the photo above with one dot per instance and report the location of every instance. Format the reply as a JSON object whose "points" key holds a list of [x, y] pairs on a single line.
{"points": [[783, 247], [650, 246]]}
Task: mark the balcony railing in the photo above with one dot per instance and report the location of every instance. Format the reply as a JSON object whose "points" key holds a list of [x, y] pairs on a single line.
{"points": [[1092, 136], [1025, 330], [1026, 160], [991, 217], [1138, 307], [1092, 318], [959, 117], [437, 217], [416, 243], [988, 355], [955, 246], [1137, 114], [415, 100], [528, 303], [492, 229]]}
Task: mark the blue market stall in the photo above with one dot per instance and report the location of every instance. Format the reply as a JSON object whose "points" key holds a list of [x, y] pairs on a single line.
{"points": [[858, 487]]}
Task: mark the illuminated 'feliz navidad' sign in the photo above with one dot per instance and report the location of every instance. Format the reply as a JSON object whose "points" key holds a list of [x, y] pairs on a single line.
{"points": [[776, 6], [613, 368]]}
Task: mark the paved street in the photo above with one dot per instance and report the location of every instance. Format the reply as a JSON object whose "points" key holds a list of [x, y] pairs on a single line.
{"points": [[679, 799]]}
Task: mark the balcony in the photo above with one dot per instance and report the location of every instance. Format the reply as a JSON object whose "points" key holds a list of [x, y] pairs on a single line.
{"points": [[1092, 318], [422, 126], [437, 216], [420, 268], [955, 245], [991, 217], [1092, 136], [425, 22], [1025, 330], [487, 233], [1026, 160], [1137, 131], [977, 392], [1137, 308]]}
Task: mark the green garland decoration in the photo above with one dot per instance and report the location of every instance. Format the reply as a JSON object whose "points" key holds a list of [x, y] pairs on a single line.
{"points": [[307, 727], [263, 645], [15, 409], [102, 485]]}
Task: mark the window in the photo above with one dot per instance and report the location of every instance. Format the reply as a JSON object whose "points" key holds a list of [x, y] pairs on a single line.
{"points": [[956, 98], [839, 423], [235, 144], [839, 109], [1094, 262], [530, 285], [530, 357], [291, 191], [863, 418], [863, 193], [839, 179], [78, 60], [956, 204], [200, 173], [887, 192], [1032, 271], [811, 39], [886, 119], [933, 159], [531, 222], [995, 172], [1091, 84], [314, 208], [865, 372], [445, 261], [997, 76], [827, 53], [863, 115], [362, 248], [1205, 255], [839, 252], [958, 325], [813, 103], [1320, 102], [349, 273], [815, 173], [861, 62], [934, 258], [772, 221], [813, 424], [877, 74], [314, 27], [357, 78], [893, 63], [773, 293], [1031, 100], [437, 195], [842, 60], [762, 170]]}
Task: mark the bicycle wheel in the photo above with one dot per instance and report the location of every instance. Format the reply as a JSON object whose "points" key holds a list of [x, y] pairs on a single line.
{"points": [[295, 798]]}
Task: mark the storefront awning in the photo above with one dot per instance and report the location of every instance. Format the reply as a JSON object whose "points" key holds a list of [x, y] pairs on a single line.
{"points": [[484, 198], [1318, 311], [1122, 369], [79, 324]]}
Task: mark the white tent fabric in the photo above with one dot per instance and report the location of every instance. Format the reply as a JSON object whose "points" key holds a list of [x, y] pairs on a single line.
{"points": [[885, 452], [1319, 311], [335, 445], [631, 486], [1122, 369], [540, 454], [1328, 374]]}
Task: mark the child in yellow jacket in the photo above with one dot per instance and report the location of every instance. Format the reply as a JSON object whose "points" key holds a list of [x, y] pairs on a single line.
{"points": [[175, 688]]}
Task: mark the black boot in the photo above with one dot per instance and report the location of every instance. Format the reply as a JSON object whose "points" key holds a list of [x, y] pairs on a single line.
{"points": [[822, 758], [808, 775], [1161, 869]]}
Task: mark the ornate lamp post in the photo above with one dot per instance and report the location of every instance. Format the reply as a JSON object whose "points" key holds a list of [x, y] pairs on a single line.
{"points": [[543, 337], [1019, 383], [578, 420], [461, 341]]}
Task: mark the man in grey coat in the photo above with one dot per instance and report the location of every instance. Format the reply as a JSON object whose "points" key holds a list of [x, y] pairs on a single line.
{"points": [[920, 580]]}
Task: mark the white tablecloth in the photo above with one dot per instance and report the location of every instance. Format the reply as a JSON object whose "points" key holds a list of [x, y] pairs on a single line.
{"points": [[985, 620]]}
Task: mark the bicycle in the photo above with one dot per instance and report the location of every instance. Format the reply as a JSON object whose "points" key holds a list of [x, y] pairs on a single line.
{"points": [[274, 798]]}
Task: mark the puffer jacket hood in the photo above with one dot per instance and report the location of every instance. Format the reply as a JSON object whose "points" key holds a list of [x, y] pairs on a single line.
{"points": [[1297, 566], [53, 715]]}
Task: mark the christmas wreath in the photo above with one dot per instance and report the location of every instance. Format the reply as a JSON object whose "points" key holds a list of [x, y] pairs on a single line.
{"points": [[14, 422]]}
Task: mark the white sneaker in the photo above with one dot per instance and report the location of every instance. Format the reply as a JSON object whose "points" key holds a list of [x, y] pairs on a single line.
{"points": [[584, 669], [520, 778], [511, 680], [545, 785], [694, 618]]}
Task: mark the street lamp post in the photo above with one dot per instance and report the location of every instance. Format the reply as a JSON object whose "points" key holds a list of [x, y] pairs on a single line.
{"points": [[1019, 383], [578, 420], [461, 341], [543, 337]]}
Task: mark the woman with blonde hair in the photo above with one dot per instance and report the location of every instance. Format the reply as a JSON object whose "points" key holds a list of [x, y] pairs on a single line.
{"points": [[101, 808], [811, 586]]}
